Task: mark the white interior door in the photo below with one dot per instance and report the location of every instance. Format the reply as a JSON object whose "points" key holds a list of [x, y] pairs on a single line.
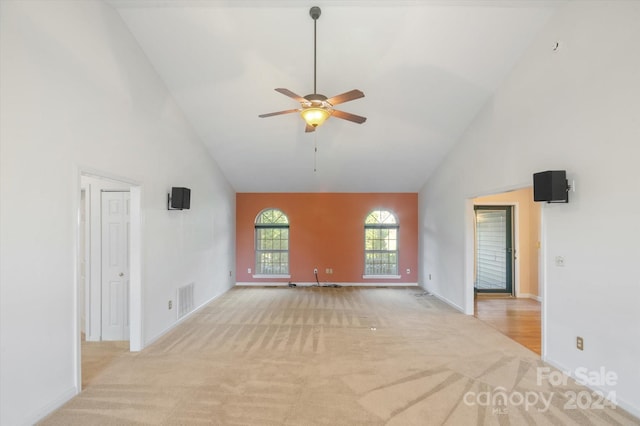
{"points": [[115, 265]]}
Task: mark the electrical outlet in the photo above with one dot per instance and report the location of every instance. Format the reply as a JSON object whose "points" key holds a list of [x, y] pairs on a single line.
{"points": [[579, 343], [170, 304], [408, 271], [429, 277], [315, 271], [248, 270]]}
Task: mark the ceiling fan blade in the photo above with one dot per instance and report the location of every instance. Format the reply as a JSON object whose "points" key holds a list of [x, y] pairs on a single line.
{"points": [[290, 94], [345, 97], [309, 129], [271, 114], [348, 116]]}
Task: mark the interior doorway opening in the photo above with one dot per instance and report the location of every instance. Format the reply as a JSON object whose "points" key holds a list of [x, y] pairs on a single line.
{"points": [[504, 275], [108, 272]]}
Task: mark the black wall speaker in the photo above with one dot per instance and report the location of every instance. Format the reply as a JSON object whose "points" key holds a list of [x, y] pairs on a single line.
{"points": [[551, 186], [180, 199]]}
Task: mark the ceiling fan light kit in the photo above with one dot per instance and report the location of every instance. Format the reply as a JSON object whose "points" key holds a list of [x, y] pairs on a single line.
{"points": [[315, 108], [315, 116]]}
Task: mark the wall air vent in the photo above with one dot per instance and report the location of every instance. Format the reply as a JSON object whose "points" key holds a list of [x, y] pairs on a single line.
{"points": [[185, 300]]}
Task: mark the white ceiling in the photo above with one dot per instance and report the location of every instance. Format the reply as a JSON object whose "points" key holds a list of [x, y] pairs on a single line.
{"points": [[426, 68]]}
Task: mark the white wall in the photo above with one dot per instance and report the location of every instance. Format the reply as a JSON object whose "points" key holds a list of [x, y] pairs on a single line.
{"points": [[577, 108], [77, 94]]}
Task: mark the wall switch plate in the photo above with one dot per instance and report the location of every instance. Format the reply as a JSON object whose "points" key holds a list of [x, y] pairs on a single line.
{"points": [[248, 270], [579, 343], [408, 271]]}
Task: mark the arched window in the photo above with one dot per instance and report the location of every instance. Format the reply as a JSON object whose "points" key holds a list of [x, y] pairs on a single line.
{"points": [[272, 243], [381, 244]]}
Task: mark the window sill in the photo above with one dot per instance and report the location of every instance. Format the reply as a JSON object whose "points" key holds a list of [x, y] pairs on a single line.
{"points": [[270, 276], [385, 277]]}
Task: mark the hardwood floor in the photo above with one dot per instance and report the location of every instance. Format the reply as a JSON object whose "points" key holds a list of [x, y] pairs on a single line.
{"points": [[518, 319]]}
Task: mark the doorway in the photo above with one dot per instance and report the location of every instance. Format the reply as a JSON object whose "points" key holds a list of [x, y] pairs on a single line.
{"points": [[517, 312], [494, 253], [108, 273]]}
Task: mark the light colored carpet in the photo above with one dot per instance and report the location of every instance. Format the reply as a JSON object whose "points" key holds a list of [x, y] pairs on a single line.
{"points": [[325, 356], [97, 356]]}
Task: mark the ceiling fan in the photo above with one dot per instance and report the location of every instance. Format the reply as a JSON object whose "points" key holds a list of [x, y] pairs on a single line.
{"points": [[316, 108]]}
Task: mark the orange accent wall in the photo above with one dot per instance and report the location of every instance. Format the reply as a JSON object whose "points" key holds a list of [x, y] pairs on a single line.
{"points": [[326, 230]]}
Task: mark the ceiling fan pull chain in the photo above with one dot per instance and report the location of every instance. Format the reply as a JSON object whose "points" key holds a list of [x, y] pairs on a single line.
{"points": [[315, 152]]}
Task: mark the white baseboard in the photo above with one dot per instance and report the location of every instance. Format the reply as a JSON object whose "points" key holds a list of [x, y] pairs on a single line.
{"points": [[50, 407], [447, 301], [313, 283], [620, 402], [530, 296], [172, 326]]}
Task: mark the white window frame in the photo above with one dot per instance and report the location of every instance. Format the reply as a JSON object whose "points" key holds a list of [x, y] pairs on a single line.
{"points": [[259, 266], [395, 225]]}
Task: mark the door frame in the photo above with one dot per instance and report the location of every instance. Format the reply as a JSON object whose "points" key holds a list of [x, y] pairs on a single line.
{"points": [[135, 289], [469, 253], [514, 271]]}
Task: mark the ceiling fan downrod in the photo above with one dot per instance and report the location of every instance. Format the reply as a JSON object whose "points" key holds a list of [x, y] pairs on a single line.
{"points": [[315, 14], [316, 108]]}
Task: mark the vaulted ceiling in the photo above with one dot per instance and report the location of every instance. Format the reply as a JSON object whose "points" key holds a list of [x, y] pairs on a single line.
{"points": [[426, 68]]}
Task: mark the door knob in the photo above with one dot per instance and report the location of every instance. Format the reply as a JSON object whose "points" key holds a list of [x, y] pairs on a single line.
{"points": [[121, 274]]}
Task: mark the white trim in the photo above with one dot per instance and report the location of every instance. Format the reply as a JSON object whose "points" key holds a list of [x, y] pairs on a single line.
{"points": [[530, 296], [625, 405], [172, 326], [500, 190], [469, 257], [313, 283], [449, 302], [270, 276], [383, 277], [542, 279], [136, 331], [52, 406]]}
